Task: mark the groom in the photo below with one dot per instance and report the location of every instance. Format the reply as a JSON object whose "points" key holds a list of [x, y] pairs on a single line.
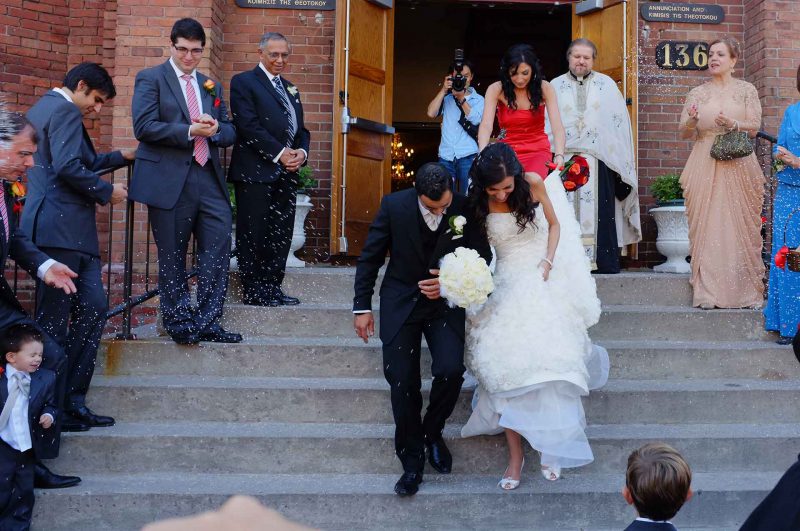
{"points": [[412, 225]]}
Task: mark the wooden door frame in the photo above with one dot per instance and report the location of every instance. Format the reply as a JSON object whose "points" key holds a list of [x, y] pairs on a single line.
{"points": [[337, 145]]}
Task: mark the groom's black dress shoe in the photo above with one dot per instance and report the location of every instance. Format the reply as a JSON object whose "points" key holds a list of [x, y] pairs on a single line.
{"points": [[221, 336], [439, 456], [44, 479], [86, 416], [408, 484], [279, 298]]}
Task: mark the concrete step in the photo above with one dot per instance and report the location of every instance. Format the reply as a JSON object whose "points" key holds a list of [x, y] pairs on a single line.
{"points": [[366, 400], [346, 448], [365, 501], [334, 285], [617, 322], [325, 357]]}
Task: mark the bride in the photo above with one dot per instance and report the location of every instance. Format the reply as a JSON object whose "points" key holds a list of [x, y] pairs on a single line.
{"points": [[528, 346]]}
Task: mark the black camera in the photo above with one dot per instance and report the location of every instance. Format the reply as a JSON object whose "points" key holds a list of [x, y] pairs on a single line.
{"points": [[459, 80]]}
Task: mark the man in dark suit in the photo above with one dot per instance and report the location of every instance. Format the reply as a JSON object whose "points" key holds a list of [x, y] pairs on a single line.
{"points": [[780, 510], [63, 189], [180, 120], [410, 226], [272, 145], [17, 146]]}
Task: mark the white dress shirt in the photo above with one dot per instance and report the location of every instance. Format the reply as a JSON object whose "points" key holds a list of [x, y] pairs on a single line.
{"points": [[182, 83], [272, 80], [17, 432], [431, 219]]}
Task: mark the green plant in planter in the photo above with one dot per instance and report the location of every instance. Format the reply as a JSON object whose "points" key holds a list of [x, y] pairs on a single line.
{"points": [[666, 189], [304, 179]]}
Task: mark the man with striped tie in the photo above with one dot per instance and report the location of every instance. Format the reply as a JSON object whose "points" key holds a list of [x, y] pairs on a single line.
{"points": [[180, 120], [272, 145]]}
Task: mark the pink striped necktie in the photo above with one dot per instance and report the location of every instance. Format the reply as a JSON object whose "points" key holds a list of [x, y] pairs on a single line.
{"points": [[3, 208], [200, 142]]}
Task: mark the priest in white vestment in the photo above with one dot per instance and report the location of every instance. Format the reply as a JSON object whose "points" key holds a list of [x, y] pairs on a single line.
{"points": [[598, 127]]}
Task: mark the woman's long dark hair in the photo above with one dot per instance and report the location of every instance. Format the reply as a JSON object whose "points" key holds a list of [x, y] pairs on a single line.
{"points": [[515, 56], [495, 163]]}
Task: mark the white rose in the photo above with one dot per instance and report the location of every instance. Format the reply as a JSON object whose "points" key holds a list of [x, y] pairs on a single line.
{"points": [[459, 223]]}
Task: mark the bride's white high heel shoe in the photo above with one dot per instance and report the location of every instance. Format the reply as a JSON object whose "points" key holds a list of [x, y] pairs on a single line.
{"points": [[508, 483], [551, 473]]}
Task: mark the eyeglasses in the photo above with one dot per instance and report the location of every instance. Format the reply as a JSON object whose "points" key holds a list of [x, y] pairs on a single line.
{"points": [[183, 50], [275, 55]]}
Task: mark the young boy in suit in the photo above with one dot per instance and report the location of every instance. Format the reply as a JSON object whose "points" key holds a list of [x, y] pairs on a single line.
{"points": [[26, 421], [657, 483]]}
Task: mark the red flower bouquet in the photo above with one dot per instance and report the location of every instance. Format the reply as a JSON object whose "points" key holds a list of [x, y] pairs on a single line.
{"points": [[575, 173]]}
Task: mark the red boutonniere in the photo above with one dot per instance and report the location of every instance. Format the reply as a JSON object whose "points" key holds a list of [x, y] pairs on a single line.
{"points": [[217, 102], [18, 192], [2, 370]]}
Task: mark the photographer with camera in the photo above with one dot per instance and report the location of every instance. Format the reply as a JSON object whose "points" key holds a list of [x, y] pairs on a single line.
{"points": [[461, 109]]}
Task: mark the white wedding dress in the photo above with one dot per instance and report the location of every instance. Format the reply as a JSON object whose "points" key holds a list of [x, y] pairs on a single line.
{"points": [[528, 345]]}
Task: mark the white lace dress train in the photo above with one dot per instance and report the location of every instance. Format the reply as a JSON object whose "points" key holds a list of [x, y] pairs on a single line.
{"points": [[528, 346]]}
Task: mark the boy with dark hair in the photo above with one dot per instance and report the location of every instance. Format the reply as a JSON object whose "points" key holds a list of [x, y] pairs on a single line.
{"points": [[26, 421], [658, 483]]}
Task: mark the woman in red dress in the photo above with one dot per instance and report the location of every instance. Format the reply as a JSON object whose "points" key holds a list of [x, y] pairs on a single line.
{"points": [[517, 101]]}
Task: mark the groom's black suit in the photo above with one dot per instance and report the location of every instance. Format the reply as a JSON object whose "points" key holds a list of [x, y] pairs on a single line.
{"points": [[406, 315]]}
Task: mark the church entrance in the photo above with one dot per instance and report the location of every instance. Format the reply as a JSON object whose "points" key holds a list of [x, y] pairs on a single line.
{"points": [[397, 56]]}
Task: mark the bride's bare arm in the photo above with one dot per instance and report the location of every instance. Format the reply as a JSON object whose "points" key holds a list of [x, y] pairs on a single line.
{"points": [[539, 194], [489, 110]]}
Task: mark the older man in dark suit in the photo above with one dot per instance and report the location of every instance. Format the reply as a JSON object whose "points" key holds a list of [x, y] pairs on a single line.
{"points": [[180, 119], [272, 145], [64, 189], [17, 146]]}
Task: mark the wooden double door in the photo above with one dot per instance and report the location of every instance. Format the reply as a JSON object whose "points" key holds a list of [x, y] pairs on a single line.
{"points": [[363, 102]]}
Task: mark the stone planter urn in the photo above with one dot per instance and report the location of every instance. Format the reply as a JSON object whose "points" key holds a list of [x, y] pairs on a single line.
{"points": [[299, 232], [673, 238]]}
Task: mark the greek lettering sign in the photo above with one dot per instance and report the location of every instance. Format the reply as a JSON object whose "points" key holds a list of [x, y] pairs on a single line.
{"points": [[690, 13], [675, 55], [319, 5]]}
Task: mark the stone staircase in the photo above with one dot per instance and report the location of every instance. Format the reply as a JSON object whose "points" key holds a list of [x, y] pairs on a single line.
{"points": [[299, 416]]}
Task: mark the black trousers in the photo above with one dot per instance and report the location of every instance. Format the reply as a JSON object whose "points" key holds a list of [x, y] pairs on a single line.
{"points": [[607, 245], [401, 363], [16, 488], [75, 321], [264, 223], [205, 212]]}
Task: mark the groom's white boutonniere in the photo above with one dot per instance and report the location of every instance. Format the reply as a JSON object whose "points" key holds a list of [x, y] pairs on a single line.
{"points": [[457, 225]]}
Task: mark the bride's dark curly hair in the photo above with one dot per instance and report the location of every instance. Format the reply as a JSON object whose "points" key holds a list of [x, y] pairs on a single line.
{"points": [[495, 163], [515, 56]]}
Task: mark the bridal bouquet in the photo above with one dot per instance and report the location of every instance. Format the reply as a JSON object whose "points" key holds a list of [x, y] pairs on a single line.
{"points": [[575, 173], [464, 279]]}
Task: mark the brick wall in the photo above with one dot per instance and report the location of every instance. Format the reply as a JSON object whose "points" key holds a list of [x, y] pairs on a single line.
{"points": [[661, 97]]}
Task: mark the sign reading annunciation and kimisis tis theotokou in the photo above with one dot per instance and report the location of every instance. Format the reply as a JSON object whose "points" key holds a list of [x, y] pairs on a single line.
{"points": [[688, 12], [319, 5]]}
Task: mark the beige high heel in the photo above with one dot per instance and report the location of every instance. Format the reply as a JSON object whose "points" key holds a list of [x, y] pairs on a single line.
{"points": [[508, 483], [551, 473]]}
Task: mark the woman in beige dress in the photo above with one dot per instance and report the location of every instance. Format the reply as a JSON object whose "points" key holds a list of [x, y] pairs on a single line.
{"points": [[723, 198]]}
